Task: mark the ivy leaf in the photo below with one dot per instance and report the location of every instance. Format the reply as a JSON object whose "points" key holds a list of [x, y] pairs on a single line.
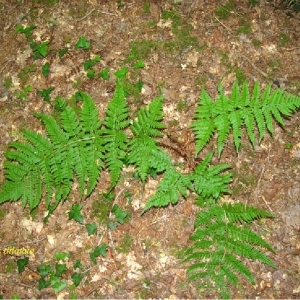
{"points": [[91, 228], [43, 283], [15, 297], [44, 270], [99, 250], [121, 73], [104, 74], [58, 285], [27, 89], [76, 278], [18, 28], [40, 50], [111, 225], [82, 43], [59, 269], [21, 263], [46, 69], [119, 213], [75, 213], [61, 255], [139, 64], [88, 64], [62, 52], [45, 93], [77, 264], [26, 31], [91, 74]]}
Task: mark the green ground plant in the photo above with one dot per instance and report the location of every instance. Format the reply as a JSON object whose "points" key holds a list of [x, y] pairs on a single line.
{"points": [[78, 145]]}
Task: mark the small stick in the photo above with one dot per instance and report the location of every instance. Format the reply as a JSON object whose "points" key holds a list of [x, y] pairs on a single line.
{"points": [[85, 15]]}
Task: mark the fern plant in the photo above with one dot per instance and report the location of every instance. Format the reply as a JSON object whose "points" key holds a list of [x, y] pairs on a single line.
{"points": [[220, 240], [238, 111], [79, 145]]}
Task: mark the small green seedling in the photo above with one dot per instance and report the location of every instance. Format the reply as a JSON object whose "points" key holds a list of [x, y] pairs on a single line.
{"points": [[23, 94]]}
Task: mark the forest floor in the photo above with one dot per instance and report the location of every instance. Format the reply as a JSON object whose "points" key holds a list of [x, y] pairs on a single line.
{"points": [[185, 47]]}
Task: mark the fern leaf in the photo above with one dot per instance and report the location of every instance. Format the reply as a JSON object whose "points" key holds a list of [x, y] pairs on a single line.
{"points": [[115, 140], [208, 182], [173, 185], [203, 125], [239, 212], [74, 147], [142, 144], [239, 111], [220, 247]]}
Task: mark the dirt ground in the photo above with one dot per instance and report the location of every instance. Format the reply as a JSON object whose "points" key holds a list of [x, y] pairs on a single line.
{"points": [[212, 42]]}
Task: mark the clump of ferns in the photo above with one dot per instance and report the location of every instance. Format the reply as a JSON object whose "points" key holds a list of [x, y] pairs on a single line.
{"points": [[82, 146]]}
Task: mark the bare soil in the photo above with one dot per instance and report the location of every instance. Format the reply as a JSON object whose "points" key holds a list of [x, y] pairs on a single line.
{"points": [[256, 43]]}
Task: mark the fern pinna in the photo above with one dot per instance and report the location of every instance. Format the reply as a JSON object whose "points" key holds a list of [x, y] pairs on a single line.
{"points": [[240, 110]]}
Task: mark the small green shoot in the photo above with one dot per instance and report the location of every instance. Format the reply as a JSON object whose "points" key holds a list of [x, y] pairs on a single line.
{"points": [[288, 145], [82, 43], [23, 94], [75, 213]]}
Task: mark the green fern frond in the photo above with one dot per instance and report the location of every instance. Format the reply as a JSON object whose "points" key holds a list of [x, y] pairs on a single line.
{"points": [[208, 182], [240, 212], [220, 246], [142, 145], [42, 164], [171, 187], [115, 140], [238, 111]]}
